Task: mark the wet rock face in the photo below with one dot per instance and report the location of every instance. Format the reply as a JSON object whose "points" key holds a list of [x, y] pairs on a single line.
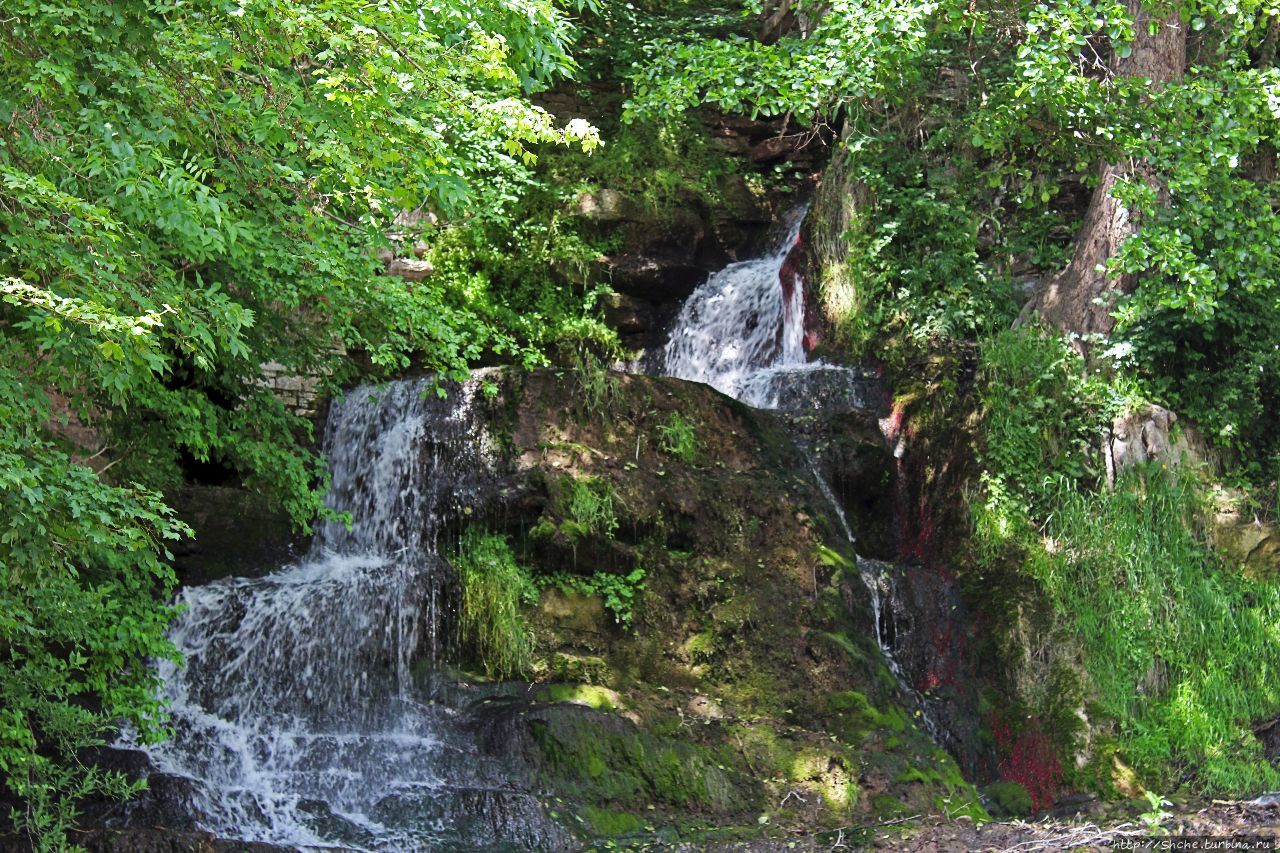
{"points": [[745, 645], [166, 841], [747, 682], [663, 253], [236, 533]]}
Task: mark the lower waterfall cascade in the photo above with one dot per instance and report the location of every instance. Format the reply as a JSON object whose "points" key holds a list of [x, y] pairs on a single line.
{"points": [[296, 716]]}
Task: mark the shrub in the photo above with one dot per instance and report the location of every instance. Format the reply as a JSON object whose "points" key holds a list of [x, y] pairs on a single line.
{"points": [[618, 591], [1008, 799]]}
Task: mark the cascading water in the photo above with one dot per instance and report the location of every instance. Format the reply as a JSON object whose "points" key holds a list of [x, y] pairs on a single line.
{"points": [[741, 326], [742, 332], [295, 716]]}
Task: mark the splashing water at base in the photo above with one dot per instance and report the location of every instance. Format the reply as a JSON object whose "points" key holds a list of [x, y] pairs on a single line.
{"points": [[295, 717]]}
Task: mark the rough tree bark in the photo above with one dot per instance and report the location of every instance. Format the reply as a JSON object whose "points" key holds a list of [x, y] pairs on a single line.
{"points": [[1081, 297], [780, 18]]}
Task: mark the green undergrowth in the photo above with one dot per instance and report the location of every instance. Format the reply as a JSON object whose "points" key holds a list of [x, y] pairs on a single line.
{"points": [[494, 589], [1181, 652], [618, 592], [678, 436], [581, 508]]}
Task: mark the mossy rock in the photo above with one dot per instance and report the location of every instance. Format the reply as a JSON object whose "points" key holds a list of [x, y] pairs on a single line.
{"points": [[1008, 799], [855, 718], [611, 823], [593, 696], [604, 760], [888, 807], [587, 669]]}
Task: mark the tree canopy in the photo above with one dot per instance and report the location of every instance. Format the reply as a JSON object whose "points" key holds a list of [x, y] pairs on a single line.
{"points": [[189, 190]]}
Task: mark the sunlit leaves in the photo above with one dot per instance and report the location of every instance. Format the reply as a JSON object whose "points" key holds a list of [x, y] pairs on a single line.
{"points": [[189, 189]]}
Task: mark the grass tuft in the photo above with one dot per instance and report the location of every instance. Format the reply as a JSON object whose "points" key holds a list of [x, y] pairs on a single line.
{"points": [[494, 587]]}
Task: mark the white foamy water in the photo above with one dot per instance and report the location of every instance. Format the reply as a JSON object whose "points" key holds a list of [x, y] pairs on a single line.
{"points": [[295, 716], [741, 326]]}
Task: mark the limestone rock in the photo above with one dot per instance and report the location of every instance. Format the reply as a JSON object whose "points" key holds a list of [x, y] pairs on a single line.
{"points": [[1246, 541], [608, 205], [705, 707], [574, 613], [410, 269], [1147, 434], [654, 277]]}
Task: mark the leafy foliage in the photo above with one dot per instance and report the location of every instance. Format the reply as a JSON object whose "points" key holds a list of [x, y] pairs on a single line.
{"points": [[494, 588], [81, 573], [972, 134], [188, 190], [617, 591], [1045, 414], [168, 162]]}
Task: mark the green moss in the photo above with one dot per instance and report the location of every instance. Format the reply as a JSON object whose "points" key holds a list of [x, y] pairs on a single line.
{"points": [[600, 698], [1008, 799], [962, 805], [605, 763], [916, 774], [587, 669], [855, 718], [701, 647], [612, 823], [834, 559], [888, 807], [894, 719]]}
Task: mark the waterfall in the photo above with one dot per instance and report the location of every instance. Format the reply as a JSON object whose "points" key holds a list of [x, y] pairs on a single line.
{"points": [[742, 332], [741, 325], [295, 716]]}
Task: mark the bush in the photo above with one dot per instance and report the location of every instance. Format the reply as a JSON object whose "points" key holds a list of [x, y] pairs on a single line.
{"points": [[83, 591], [1043, 414], [1180, 651], [1008, 799]]}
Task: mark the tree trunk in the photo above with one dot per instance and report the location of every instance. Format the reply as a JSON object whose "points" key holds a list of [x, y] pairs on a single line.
{"points": [[1081, 297]]}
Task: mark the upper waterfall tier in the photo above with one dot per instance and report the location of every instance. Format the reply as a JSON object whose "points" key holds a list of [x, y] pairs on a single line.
{"points": [[743, 333]]}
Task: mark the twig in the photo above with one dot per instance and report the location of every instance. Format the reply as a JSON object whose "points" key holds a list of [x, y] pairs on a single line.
{"points": [[899, 820], [792, 793]]}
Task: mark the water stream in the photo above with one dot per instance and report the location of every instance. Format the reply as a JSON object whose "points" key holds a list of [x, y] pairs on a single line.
{"points": [[742, 332], [296, 717], [300, 716]]}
